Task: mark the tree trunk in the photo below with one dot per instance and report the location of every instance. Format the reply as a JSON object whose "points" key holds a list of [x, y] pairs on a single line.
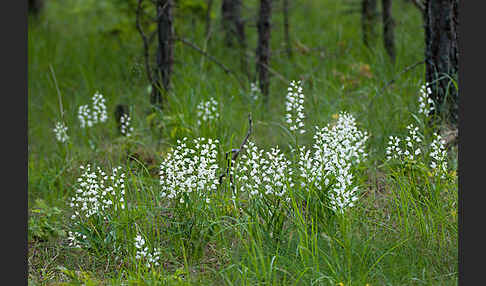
{"points": [[368, 21], [240, 35], [286, 28], [227, 10], [263, 48], [234, 28], [35, 6], [388, 29], [442, 54], [164, 52]]}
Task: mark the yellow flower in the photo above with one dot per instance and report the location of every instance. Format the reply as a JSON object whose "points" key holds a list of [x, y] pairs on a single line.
{"points": [[335, 116], [340, 284]]}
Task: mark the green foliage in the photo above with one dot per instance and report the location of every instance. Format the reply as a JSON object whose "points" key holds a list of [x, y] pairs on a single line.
{"points": [[80, 277], [45, 222], [196, 8]]}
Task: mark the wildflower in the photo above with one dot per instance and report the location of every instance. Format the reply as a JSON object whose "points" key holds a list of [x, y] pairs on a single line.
{"points": [[393, 150], [207, 111], [99, 108], [410, 150], [151, 258], [254, 91], [84, 116], [438, 155], [188, 170], [125, 128], [426, 104], [91, 116], [61, 132], [96, 194], [74, 239], [264, 174], [294, 107], [336, 149]]}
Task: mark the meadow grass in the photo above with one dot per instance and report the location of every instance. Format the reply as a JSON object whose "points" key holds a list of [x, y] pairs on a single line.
{"points": [[401, 231]]}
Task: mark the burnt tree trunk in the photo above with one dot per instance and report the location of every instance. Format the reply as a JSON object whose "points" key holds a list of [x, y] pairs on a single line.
{"points": [[286, 28], [442, 54], [388, 29], [234, 28], [368, 21], [227, 10], [163, 69], [35, 6], [263, 48], [240, 35]]}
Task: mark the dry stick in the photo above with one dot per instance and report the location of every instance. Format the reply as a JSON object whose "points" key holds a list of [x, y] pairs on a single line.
{"points": [[419, 4], [281, 77], [394, 79], [225, 69], [319, 49], [400, 73], [236, 152], [58, 92]]}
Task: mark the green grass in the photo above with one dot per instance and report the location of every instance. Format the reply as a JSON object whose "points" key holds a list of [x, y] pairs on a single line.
{"points": [[403, 230]]}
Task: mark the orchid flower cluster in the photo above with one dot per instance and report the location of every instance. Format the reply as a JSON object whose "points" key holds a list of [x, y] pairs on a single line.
{"points": [[426, 104], [438, 155], [264, 174], [151, 258], [61, 132], [294, 107], [410, 150], [126, 128], [96, 114], [254, 91], [188, 170], [337, 149], [207, 111], [97, 194]]}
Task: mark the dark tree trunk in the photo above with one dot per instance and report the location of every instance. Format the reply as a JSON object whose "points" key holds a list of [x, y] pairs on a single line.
{"points": [[442, 54], [234, 28], [227, 10], [35, 6], [286, 28], [388, 29], [368, 21], [164, 52], [263, 48], [240, 35]]}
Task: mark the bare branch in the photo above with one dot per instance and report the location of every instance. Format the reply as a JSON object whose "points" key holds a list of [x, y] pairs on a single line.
{"points": [[419, 4], [236, 152], [225, 69], [387, 84], [281, 77], [400, 73]]}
